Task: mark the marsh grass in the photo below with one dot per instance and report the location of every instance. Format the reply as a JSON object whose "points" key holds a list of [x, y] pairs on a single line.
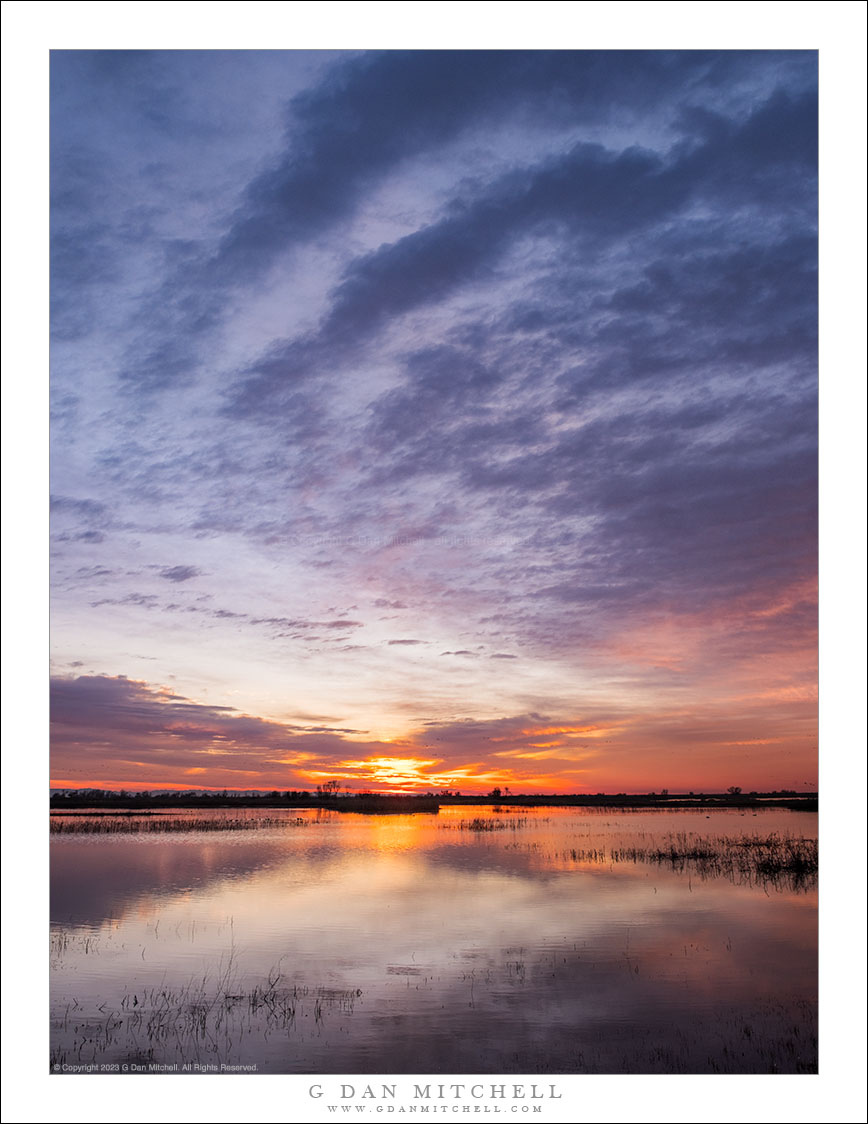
{"points": [[61, 942], [209, 1019], [485, 823], [787, 861], [132, 823]]}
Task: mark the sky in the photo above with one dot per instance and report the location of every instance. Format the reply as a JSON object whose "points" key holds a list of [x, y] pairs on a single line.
{"points": [[434, 419]]}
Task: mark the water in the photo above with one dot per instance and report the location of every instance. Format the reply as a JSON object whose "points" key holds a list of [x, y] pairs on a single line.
{"points": [[421, 944]]}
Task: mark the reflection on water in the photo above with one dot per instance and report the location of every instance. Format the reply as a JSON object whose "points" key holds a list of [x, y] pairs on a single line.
{"points": [[556, 941]]}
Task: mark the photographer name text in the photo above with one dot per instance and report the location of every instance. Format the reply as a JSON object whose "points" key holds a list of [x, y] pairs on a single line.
{"points": [[436, 1093]]}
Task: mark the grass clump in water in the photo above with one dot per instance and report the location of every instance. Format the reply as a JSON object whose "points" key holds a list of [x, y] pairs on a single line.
{"points": [[485, 824], [785, 861]]}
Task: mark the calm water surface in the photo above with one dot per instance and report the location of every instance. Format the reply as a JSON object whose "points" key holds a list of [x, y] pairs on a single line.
{"points": [[395, 944]]}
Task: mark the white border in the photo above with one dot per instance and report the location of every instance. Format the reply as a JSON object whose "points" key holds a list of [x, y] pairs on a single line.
{"points": [[31, 29]]}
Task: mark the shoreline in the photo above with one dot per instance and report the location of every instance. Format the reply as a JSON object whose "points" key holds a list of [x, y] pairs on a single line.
{"points": [[368, 804]]}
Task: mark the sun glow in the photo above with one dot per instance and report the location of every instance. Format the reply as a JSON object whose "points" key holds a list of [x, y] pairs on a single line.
{"points": [[403, 774], [394, 770]]}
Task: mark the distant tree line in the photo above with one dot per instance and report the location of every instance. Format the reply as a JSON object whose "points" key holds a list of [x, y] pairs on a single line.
{"points": [[329, 794]]}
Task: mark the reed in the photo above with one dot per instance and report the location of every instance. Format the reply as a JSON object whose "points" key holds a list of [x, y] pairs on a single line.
{"points": [[771, 859], [484, 824], [145, 822], [212, 1018]]}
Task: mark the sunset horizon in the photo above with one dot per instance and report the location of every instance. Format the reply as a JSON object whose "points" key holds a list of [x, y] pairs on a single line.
{"points": [[401, 765], [405, 766]]}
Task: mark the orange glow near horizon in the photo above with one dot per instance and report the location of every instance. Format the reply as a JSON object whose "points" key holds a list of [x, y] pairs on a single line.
{"points": [[401, 774], [649, 756], [767, 743]]}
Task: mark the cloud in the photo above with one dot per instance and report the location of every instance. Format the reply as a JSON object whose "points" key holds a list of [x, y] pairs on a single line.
{"points": [[374, 112], [142, 600], [136, 734], [127, 724], [285, 626], [521, 345], [180, 573], [592, 197]]}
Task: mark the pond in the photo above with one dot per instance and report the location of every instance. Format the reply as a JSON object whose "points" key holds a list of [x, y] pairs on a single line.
{"points": [[476, 940]]}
